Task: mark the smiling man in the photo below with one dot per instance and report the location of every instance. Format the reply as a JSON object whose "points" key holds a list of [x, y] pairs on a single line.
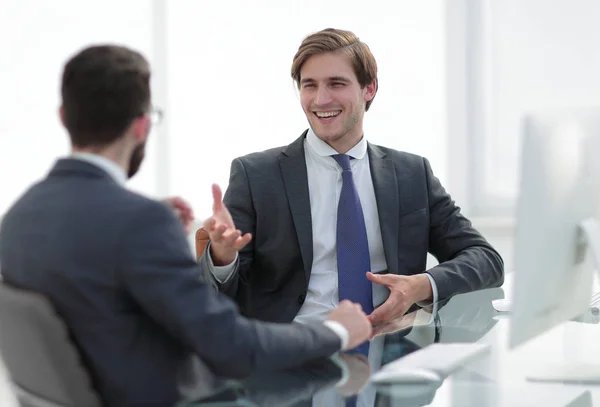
{"points": [[332, 216]]}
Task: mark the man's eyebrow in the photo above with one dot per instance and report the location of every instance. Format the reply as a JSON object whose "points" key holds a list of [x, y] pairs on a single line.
{"points": [[330, 79], [339, 79]]}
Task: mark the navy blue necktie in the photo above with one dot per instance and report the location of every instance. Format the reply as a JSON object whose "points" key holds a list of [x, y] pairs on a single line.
{"points": [[353, 259]]}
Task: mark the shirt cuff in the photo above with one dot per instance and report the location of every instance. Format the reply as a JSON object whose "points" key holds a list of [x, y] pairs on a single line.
{"points": [[221, 273], [339, 331], [434, 301], [433, 290]]}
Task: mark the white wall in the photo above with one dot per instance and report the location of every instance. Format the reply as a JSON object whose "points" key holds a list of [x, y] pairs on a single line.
{"points": [[230, 91], [538, 54], [522, 55], [221, 72], [36, 38]]}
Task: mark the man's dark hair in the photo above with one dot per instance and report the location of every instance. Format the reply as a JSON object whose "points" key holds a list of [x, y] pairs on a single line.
{"points": [[104, 88]]}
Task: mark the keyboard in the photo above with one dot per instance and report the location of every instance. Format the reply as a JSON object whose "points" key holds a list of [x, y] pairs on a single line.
{"points": [[438, 360], [505, 304]]}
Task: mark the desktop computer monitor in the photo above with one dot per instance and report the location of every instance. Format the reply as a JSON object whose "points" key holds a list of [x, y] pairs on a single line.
{"points": [[557, 234]]}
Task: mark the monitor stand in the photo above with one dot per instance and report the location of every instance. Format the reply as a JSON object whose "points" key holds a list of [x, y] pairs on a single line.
{"points": [[576, 372]]}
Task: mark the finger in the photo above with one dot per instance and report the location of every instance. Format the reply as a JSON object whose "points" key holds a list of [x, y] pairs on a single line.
{"points": [[184, 217], [209, 224], [383, 313], [217, 197], [383, 279], [187, 216], [182, 208], [217, 235], [346, 303], [182, 205], [188, 212], [176, 201], [187, 224], [230, 236], [242, 241]]}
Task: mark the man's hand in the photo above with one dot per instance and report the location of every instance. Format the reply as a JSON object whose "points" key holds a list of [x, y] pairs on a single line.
{"points": [[352, 317], [398, 324], [183, 211], [404, 292], [225, 239]]}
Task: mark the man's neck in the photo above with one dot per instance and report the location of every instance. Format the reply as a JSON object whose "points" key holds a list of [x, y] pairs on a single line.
{"points": [[108, 153], [115, 171], [346, 143]]}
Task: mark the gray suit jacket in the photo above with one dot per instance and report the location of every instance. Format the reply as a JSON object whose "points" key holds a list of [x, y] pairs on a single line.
{"points": [[120, 271], [268, 196]]}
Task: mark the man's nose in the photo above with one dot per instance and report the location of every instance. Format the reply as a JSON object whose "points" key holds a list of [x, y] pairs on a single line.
{"points": [[323, 96]]}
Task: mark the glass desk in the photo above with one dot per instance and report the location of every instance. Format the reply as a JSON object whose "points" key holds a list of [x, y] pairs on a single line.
{"points": [[495, 380]]}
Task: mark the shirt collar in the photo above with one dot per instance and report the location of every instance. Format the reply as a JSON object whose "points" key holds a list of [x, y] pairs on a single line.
{"points": [[325, 150], [114, 171]]}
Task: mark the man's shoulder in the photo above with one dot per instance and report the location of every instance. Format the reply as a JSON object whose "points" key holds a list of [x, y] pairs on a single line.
{"points": [[265, 157], [398, 156], [119, 200], [270, 157], [97, 200]]}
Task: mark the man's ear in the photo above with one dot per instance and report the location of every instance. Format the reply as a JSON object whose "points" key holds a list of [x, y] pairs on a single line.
{"points": [[141, 128], [371, 90], [61, 114]]}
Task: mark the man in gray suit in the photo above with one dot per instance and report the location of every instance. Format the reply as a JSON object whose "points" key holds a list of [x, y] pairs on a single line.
{"points": [[117, 265], [332, 216]]}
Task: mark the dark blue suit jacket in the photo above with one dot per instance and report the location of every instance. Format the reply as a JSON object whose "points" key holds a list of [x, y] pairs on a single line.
{"points": [[120, 271]]}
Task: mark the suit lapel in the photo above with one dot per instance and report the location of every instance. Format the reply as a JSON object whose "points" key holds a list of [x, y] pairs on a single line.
{"points": [[386, 194], [295, 179]]}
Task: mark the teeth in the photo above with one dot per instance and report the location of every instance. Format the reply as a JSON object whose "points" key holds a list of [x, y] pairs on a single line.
{"points": [[328, 114]]}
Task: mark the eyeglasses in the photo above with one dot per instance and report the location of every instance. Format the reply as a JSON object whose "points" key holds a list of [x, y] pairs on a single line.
{"points": [[156, 115]]}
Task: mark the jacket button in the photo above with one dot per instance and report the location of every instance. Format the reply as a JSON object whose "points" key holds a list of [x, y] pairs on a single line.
{"points": [[301, 299]]}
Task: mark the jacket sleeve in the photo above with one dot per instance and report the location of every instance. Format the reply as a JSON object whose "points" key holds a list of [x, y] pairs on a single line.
{"points": [[238, 200], [467, 262], [160, 273]]}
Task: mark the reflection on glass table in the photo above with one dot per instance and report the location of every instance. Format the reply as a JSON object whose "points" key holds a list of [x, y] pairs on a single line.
{"points": [[494, 380], [331, 381]]}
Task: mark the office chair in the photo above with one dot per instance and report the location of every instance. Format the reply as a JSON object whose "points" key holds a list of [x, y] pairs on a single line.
{"points": [[43, 364], [202, 240]]}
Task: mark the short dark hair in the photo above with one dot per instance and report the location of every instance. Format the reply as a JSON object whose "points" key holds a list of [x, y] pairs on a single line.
{"points": [[104, 87]]}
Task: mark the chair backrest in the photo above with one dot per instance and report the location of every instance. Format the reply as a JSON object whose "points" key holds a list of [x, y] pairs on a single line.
{"points": [[202, 240], [40, 358]]}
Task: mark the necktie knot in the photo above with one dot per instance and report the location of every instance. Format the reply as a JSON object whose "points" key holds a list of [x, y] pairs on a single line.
{"points": [[343, 160]]}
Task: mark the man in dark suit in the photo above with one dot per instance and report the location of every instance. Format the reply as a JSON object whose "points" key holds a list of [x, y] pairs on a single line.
{"points": [[332, 216], [117, 265]]}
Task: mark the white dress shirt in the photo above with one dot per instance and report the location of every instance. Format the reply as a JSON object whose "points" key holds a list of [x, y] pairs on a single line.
{"points": [[112, 168], [325, 185]]}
